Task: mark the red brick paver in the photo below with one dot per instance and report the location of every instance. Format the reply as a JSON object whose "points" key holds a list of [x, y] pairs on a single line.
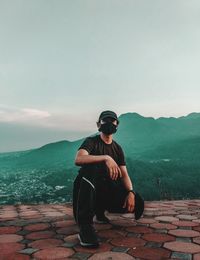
{"points": [[68, 230], [146, 220], [10, 247], [166, 218], [103, 248], [112, 233], [150, 253], [197, 228], [128, 242], [64, 223], [14, 256], [160, 238], [40, 235], [167, 230], [184, 233], [186, 217], [37, 227], [139, 229], [163, 226], [196, 240], [9, 230], [196, 220], [182, 247], [9, 238], [185, 223], [54, 253], [111, 255], [45, 243]]}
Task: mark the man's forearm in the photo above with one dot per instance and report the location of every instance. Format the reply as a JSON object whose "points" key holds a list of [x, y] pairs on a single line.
{"points": [[84, 159], [127, 182]]}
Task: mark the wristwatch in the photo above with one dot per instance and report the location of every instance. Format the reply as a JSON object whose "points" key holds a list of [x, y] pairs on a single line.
{"points": [[131, 191]]}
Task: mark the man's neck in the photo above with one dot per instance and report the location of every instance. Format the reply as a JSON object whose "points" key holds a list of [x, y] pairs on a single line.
{"points": [[106, 138]]}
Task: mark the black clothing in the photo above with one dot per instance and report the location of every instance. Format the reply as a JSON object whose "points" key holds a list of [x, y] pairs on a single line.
{"points": [[96, 146], [88, 236], [93, 194], [108, 114], [108, 127], [94, 191]]}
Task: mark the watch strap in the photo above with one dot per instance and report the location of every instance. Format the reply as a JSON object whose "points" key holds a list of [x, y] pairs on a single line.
{"points": [[131, 191]]}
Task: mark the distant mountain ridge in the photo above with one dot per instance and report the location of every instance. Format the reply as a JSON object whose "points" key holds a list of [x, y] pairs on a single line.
{"points": [[162, 156], [136, 134]]}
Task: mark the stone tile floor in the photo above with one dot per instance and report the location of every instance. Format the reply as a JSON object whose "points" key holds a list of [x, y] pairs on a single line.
{"points": [[167, 230]]}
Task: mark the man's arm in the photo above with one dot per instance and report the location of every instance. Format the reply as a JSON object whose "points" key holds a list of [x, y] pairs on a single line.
{"points": [[125, 178], [83, 157]]}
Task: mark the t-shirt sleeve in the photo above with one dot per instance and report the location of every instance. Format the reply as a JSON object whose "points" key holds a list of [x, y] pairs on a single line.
{"points": [[122, 160], [87, 144]]}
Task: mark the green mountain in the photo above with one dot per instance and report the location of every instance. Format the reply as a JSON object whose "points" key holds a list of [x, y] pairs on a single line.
{"points": [[163, 159], [185, 149], [139, 134]]}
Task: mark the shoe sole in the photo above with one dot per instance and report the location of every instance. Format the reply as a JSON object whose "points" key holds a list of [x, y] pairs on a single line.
{"points": [[101, 222], [87, 244]]}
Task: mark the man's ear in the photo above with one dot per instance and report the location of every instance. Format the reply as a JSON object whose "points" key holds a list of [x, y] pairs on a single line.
{"points": [[98, 125]]}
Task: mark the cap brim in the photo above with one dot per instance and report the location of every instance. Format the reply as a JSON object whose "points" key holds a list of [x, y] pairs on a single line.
{"points": [[109, 116], [139, 206]]}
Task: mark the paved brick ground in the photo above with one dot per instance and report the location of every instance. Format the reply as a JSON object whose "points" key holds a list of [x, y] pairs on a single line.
{"points": [[167, 230]]}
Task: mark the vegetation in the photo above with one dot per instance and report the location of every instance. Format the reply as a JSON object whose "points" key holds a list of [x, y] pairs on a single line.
{"points": [[162, 156]]}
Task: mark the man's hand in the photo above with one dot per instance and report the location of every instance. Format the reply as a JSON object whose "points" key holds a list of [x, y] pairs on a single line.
{"points": [[129, 202], [113, 168]]}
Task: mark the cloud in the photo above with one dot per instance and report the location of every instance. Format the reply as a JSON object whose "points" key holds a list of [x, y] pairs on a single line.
{"points": [[14, 114], [59, 121], [35, 113]]}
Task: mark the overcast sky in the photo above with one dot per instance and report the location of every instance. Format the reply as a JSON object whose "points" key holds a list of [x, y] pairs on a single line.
{"points": [[62, 62]]}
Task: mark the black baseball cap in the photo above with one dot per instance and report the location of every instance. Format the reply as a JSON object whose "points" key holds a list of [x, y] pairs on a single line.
{"points": [[108, 113]]}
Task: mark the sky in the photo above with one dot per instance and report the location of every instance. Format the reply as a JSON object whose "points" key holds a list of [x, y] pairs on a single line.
{"points": [[62, 62]]}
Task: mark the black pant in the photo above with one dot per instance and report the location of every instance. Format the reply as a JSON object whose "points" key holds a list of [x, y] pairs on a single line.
{"points": [[95, 192]]}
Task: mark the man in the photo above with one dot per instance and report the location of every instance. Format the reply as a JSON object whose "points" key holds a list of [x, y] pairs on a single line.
{"points": [[103, 182]]}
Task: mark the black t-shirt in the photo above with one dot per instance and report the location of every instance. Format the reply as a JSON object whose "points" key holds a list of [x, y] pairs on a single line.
{"points": [[96, 146]]}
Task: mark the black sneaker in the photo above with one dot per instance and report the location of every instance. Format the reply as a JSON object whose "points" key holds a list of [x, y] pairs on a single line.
{"points": [[102, 219], [87, 236]]}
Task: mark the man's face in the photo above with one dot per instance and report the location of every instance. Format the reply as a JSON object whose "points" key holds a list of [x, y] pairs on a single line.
{"points": [[108, 125], [108, 119]]}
